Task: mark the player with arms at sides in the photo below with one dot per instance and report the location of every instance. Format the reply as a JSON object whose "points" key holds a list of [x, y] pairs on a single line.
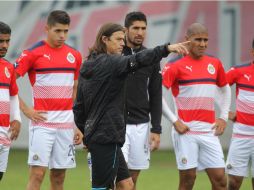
{"points": [[53, 69], [9, 103], [193, 80], [241, 152]]}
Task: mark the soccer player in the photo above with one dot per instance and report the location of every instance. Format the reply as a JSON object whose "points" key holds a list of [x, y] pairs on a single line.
{"points": [[100, 104], [9, 103], [193, 80], [53, 69], [241, 153], [144, 97]]}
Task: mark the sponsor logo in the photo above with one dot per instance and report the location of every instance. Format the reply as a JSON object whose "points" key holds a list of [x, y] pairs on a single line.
{"points": [[7, 73], [210, 69], [35, 157], [248, 77], [70, 58], [47, 56], [189, 68]]}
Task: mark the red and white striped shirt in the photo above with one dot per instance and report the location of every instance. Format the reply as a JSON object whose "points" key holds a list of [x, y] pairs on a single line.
{"points": [[243, 77], [193, 84], [52, 72], [8, 87]]}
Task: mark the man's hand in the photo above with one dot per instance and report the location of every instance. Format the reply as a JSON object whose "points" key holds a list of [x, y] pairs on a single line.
{"points": [[35, 115], [14, 129], [154, 141], [219, 126], [232, 116], [78, 136], [180, 127], [180, 48]]}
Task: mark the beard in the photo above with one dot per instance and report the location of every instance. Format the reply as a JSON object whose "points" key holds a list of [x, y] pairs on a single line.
{"points": [[134, 42]]}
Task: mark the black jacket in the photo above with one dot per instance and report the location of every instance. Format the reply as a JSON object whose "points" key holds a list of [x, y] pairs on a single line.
{"points": [[100, 104], [144, 94]]}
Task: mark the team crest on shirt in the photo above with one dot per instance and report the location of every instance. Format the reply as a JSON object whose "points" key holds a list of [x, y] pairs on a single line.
{"points": [[184, 160], [7, 73], [210, 69], [70, 58]]}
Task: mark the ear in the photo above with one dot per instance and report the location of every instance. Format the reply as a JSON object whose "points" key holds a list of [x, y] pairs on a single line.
{"points": [[104, 39], [125, 30], [46, 28]]}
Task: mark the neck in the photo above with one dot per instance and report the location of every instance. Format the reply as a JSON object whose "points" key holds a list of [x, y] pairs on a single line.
{"points": [[133, 46], [51, 44]]}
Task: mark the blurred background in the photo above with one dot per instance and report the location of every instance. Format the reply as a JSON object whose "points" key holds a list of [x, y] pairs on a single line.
{"points": [[229, 23]]}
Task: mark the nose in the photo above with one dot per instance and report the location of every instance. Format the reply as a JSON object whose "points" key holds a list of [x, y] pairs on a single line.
{"points": [[202, 43], [5, 44]]}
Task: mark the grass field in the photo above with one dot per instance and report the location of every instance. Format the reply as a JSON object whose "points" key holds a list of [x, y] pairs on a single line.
{"points": [[162, 175]]}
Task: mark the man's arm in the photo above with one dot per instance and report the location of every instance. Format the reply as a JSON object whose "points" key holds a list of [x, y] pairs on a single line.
{"points": [[78, 136], [179, 126], [29, 112], [221, 122], [15, 119], [155, 96]]}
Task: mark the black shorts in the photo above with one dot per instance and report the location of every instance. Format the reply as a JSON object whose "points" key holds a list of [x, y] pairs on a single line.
{"points": [[108, 165]]}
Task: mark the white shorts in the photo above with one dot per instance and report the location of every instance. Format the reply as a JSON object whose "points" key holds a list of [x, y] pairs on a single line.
{"points": [[240, 157], [136, 149], [5, 143], [200, 151], [51, 147]]}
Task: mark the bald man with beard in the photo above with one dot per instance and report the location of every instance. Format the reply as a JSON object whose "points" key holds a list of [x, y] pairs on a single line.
{"points": [[193, 80]]}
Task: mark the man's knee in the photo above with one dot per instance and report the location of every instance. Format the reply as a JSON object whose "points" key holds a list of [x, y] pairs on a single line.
{"points": [[37, 174], [187, 179], [1, 175], [126, 184], [219, 181], [57, 176], [234, 182]]}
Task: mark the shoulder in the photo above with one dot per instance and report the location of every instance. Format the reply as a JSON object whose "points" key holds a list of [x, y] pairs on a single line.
{"points": [[36, 46]]}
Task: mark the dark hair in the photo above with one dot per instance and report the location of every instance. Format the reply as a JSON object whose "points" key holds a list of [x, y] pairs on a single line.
{"points": [[106, 30], [4, 28], [253, 44], [58, 16], [134, 16]]}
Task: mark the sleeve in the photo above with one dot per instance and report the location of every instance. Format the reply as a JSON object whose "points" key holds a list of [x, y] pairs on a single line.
{"points": [[232, 75], [169, 75], [13, 83], [78, 109], [125, 64], [14, 108], [155, 95], [225, 95], [79, 62], [24, 63], [167, 111], [221, 76]]}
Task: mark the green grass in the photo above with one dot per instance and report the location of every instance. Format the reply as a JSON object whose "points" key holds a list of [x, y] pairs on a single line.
{"points": [[162, 174]]}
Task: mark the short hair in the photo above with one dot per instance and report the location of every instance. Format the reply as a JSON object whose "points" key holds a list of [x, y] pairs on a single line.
{"points": [[106, 30], [58, 16], [134, 16], [4, 28], [253, 44]]}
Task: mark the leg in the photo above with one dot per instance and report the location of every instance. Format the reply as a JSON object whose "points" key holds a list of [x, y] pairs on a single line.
{"points": [[252, 181], [57, 179], [134, 175], [235, 182], [187, 179], [217, 178], [36, 175], [126, 184]]}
